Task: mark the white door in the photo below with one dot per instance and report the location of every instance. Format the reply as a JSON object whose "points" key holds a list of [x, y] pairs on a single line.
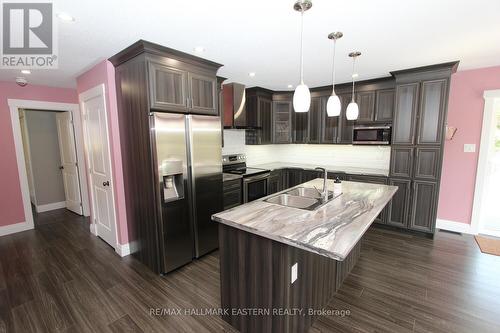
{"points": [[96, 132], [490, 210], [69, 163]]}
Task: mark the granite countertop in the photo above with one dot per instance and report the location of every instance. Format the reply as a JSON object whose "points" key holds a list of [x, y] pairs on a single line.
{"points": [[332, 230], [352, 170], [229, 176]]}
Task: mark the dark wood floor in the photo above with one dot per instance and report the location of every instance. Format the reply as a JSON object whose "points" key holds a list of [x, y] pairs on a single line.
{"points": [[60, 278]]}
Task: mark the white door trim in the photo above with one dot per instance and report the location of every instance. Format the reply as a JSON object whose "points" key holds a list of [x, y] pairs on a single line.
{"points": [[14, 106], [99, 90], [491, 100]]}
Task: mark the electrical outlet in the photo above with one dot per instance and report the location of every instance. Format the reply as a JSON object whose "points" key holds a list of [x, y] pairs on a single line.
{"points": [[469, 148], [295, 270]]}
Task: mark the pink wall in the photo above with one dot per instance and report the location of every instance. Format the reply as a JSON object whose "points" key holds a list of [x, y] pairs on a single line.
{"points": [[11, 203], [104, 73], [465, 111]]}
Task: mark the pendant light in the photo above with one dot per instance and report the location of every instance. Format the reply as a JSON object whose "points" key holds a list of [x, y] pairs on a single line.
{"points": [[333, 105], [302, 96], [352, 111]]}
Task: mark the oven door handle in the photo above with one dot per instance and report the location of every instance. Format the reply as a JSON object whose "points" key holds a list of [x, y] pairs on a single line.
{"points": [[256, 178]]}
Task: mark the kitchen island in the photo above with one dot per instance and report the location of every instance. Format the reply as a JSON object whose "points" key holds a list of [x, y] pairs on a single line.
{"points": [[281, 265]]}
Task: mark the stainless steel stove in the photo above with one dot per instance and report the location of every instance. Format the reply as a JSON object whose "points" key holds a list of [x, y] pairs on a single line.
{"points": [[255, 181]]}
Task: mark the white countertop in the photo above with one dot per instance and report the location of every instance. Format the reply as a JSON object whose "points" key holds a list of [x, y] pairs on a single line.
{"points": [[332, 230]]}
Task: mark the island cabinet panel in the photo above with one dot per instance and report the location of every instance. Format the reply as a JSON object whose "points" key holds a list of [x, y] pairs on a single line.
{"points": [[255, 273], [384, 110], [398, 206]]}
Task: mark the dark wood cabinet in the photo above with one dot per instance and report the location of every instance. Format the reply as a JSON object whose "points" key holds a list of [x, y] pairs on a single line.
{"points": [[403, 131], [401, 161], [294, 177], [346, 126], [384, 109], [318, 104], [427, 163], [397, 210], [203, 94], [334, 175], [300, 126], [432, 112], [423, 206], [232, 193], [275, 182], [308, 175], [330, 126], [282, 121], [417, 142], [381, 218], [179, 90], [366, 104], [168, 88], [259, 109]]}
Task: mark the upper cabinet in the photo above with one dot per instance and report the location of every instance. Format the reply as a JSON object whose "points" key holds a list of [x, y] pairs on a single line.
{"points": [[300, 126], [366, 104], [330, 128], [432, 112], [259, 114], [282, 121], [168, 88], [346, 126], [318, 104], [403, 130], [384, 108], [203, 92]]}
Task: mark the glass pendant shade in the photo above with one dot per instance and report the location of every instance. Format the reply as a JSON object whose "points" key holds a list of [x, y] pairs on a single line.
{"points": [[352, 111], [301, 98], [333, 106]]}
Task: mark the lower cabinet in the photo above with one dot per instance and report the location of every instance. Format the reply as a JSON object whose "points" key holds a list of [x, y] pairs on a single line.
{"points": [[381, 219], [334, 175], [294, 177], [232, 193], [275, 182], [398, 206], [423, 206]]}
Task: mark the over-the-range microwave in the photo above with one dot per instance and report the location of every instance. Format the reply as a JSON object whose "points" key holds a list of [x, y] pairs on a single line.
{"points": [[371, 135]]}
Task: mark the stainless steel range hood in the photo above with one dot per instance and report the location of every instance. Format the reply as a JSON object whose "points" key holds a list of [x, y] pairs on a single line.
{"points": [[234, 106]]}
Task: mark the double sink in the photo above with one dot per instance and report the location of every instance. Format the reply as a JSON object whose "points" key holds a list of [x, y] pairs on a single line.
{"points": [[301, 197]]}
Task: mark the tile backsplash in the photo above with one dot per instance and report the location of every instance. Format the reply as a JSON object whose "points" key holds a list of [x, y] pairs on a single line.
{"points": [[377, 157]]}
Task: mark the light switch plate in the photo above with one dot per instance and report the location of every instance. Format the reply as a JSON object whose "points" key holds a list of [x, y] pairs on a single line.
{"points": [[295, 269], [469, 148]]}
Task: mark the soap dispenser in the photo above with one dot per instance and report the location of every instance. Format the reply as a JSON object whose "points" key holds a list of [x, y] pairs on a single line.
{"points": [[337, 186]]}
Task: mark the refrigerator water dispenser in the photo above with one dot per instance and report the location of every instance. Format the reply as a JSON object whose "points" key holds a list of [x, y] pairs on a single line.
{"points": [[172, 179]]}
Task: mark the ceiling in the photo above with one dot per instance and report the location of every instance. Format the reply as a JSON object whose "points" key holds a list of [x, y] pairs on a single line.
{"points": [[263, 36]]}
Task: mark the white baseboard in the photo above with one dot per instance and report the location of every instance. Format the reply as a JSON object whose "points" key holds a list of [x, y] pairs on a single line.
{"points": [[13, 228], [51, 206], [124, 250], [454, 226]]}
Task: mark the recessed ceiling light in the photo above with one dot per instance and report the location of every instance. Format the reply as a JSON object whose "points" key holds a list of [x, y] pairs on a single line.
{"points": [[251, 74], [26, 71], [355, 75], [199, 49], [290, 86], [65, 17]]}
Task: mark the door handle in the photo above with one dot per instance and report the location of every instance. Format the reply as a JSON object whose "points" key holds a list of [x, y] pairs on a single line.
{"points": [[106, 183], [61, 167]]}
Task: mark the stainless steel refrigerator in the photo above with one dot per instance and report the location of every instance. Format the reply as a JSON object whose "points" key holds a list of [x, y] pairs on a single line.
{"points": [[187, 152]]}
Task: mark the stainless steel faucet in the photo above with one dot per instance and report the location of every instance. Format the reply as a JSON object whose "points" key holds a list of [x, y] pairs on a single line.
{"points": [[324, 193]]}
